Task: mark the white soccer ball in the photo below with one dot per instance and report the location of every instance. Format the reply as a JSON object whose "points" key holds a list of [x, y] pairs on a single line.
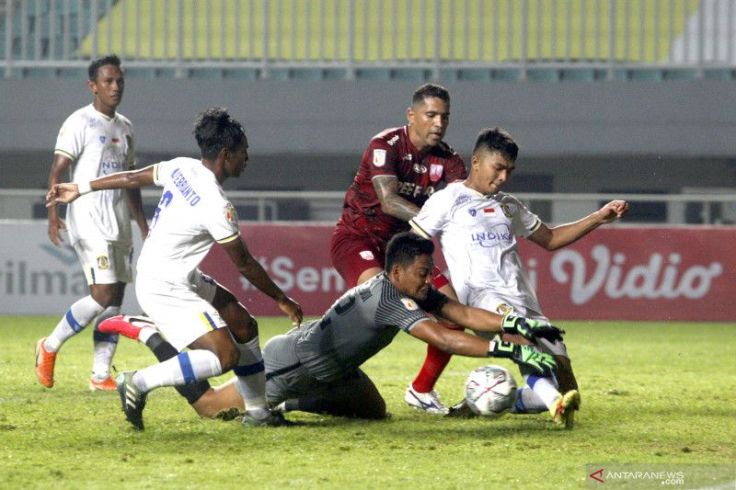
{"points": [[490, 390]]}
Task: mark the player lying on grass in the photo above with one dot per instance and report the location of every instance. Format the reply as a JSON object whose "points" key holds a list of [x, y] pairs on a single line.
{"points": [[316, 368], [190, 308]]}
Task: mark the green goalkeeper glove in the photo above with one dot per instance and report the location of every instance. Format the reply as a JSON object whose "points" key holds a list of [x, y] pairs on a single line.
{"points": [[530, 329], [525, 356]]}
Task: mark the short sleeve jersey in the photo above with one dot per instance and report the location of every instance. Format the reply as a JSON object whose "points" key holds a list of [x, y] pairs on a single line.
{"points": [[478, 237], [361, 323], [98, 146], [192, 214], [392, 153]]}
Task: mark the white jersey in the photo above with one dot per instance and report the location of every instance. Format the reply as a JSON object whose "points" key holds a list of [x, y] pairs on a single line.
{"points": [[98, 146], [478, 238], [191, 216]]}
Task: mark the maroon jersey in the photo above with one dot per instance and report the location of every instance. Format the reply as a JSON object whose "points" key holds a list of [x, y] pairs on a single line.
{"points": [[392, 153]]}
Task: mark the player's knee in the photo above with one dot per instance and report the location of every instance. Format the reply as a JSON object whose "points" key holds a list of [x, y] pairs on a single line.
{"points": [[229, 357]]}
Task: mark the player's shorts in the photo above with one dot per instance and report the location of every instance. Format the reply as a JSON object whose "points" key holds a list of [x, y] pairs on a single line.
{"points": [[182, 311], [286, 378], [105, 262], [497, 305], [354, 254]]}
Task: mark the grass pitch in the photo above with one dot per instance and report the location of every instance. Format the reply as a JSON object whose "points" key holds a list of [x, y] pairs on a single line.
{"points": [[653, 394]]}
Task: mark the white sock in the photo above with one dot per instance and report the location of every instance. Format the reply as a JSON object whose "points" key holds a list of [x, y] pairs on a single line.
{"points": [[104, 345], [187, 367], [80, 314], [251, 375], [544, 388], [528, 402]]}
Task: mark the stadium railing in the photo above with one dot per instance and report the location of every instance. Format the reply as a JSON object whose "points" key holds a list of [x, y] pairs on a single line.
{"points": [[711, 207], [553, 40]]}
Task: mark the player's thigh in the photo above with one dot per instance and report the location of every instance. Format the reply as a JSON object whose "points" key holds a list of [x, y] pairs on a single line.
{"points": [[358, 396], [238, 318], [179, 312], [352, 255], [105, 262]]}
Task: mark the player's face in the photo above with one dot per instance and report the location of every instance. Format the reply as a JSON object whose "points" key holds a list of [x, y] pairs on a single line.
{"points": [[414, 280], [490, 171], [428, 121], [108, 88], [237, 160]]}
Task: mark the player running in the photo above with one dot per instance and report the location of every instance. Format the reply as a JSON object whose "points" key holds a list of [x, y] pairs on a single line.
{"points": [[190, 308]]}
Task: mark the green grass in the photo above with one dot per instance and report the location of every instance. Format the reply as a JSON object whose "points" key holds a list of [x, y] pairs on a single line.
{"points": [[653, 393]]}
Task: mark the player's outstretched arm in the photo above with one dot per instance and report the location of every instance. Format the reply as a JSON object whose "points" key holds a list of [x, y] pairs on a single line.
{"points": [[563, 235], [252, 270], [132, 179], [456, 342]]}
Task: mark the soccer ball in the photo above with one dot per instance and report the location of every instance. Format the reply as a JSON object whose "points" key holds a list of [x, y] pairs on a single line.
{"points": [[490, 391]]}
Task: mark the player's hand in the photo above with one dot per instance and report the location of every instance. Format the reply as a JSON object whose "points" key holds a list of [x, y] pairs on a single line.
{"points": [[526, 357], [61, 194], [292, 309], [56, 224], [613, 210], [530, 329]]}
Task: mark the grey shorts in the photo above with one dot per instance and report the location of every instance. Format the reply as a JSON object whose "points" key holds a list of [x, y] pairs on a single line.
{"points": [[286, 378]]}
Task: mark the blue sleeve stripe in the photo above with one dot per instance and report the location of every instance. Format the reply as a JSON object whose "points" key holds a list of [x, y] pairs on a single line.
{"points": [[249, 369], [73, 322], [186, 368]]}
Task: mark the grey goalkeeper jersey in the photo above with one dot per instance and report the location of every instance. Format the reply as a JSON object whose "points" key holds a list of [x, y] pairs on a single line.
{"points": [[361, 323]]}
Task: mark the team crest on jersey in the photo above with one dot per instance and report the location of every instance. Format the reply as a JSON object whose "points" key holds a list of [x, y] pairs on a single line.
{"points": [[506, 210], [379, 158], [435, 172], [231, 214], [410, 304], [103, 139], [103, 262], [366, 255], [472, 212]]}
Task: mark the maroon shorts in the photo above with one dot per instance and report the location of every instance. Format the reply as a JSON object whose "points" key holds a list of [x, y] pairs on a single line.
{"points": [[353, 254]]}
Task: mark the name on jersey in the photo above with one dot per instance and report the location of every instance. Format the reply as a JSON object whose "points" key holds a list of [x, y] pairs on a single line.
{"points": [[182, 185], [489, 238]]}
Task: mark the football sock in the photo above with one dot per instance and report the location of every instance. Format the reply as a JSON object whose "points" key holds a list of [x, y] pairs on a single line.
{"points": [[251, 374], [80, 314], [434, 365], [104, 345], [527, 402], [186, 367], [543, 388], [164, 351]]}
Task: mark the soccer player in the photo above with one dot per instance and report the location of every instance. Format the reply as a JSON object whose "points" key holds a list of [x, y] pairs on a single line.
{"points": [[478, 225], [191, 216], [95, 140], [316, 368], [399, 170]]}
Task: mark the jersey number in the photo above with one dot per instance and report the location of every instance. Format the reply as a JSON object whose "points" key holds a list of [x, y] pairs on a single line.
{"points": [[166, 198]]}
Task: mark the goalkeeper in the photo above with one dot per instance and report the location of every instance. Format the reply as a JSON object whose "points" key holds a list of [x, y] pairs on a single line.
{"points": [[316, 367]]}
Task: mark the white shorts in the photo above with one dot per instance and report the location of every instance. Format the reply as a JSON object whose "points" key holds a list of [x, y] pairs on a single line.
{"points": [[105, 262], [498, 305], [182, 311]]}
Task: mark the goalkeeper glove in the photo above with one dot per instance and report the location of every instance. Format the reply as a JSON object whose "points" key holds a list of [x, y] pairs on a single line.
{"points": [[525, 356], [530, 329]]}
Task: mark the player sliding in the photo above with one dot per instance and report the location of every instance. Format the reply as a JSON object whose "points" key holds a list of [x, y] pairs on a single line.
{"points": [[189, 307], [316, 368]]}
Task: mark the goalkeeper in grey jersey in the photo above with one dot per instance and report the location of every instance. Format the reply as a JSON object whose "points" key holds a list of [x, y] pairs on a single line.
{"points": [[316, 367]]}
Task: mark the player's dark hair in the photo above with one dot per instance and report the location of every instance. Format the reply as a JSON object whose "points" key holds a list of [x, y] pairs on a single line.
{"points": [[429, 90], [497, 139], [215, 130], [94, 67], [404, 248]]}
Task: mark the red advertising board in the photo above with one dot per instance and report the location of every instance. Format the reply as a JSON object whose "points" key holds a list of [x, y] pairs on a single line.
{"points": [[616, 273]]}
